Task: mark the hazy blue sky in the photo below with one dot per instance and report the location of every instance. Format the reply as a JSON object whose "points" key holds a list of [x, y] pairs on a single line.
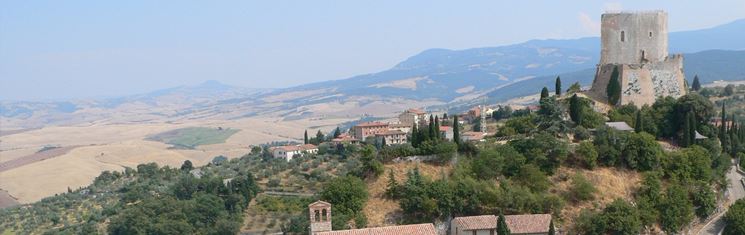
{"points": [[72, 49]]}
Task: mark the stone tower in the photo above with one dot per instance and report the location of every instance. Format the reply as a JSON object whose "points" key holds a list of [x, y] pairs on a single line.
{"points": [[636, 43], [320, 217]]}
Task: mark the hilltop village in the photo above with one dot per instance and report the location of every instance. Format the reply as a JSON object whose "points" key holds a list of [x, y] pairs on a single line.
{"points": [[639, 152]]}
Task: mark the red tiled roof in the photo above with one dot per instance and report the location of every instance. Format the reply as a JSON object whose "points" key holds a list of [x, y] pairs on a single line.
{"points": [[344, 138], [518, 224], [411, 229], [476, 222], [445, 128], [369, 124], [527, 224], [416, 111]]}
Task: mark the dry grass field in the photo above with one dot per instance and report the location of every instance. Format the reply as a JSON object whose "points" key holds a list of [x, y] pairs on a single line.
{"points": [[611, 183], [381, 211], [113, 146]]}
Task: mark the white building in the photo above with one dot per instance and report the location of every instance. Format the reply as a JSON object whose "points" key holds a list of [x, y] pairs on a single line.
{"points": [[290, 151]]}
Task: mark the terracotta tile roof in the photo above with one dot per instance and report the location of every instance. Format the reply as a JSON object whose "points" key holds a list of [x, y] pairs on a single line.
{"points": [[527, 224], [518, 224], [476, 222], [416, 111], [411, 229], [445, 128], [369, 124], [344, 138]]}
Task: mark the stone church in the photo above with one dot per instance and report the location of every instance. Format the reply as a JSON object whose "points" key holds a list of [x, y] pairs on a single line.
{"points": [[636, 44]]}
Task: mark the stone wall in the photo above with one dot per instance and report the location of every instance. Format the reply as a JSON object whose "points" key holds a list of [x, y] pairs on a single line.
{"points": [[636, 43], [643, 34]]}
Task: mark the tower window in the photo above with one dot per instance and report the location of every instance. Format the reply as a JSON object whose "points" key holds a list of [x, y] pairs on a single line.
{"points": [[650, 34], [623, 36]]}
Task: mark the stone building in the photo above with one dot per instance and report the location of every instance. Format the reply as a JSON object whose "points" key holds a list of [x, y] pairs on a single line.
{"points": [[392, 137], [413, 117], [528, 224], [367, 129], [636, 44]]}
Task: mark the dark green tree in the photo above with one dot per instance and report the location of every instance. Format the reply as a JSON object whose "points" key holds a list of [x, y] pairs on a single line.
{"points": [[456, 131], [432, 133], [676, 210], [696, 84], [575, 109], [393, 187], [337, 132], [544, 93], [686, 139], [437, 128], [613, 90], [187, 166], [305, 137], [639, 122], [723, 127], [320, 138], [735, 219], [558, 86], [692, 129], [502, 228], [551, 229], [415, 141]]}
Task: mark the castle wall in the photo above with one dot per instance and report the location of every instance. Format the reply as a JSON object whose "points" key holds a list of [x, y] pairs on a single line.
{"points": [[643, 33]]}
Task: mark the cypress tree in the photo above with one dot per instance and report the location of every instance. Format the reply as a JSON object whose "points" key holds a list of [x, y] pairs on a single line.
{"points": [[305, 137], [544, 93], [558, 86], [437, 127], [551, 229], [638, 125], [685, 141], [414, 136], [445, 116], [456, 130], [392, 189], [432, 134], [696, 84], [692, 128], [575, 109], [613, 90], [723, 124], [337, 132], [502, 228]]}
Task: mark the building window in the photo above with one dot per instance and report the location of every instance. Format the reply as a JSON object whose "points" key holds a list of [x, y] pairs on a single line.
{"points": [[623, 36], [650, 34]]}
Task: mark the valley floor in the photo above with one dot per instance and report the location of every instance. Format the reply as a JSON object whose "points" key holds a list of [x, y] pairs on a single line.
{"points": [[91, 149]]}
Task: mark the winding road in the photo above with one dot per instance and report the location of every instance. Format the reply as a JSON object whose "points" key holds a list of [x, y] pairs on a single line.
{"points": [[735, 191]]}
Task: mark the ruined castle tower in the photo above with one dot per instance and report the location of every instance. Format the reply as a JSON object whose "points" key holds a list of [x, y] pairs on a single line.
{"points": [[320, 217], [636, 43]]}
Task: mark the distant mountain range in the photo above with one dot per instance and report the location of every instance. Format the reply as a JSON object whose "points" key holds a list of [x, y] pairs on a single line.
{"points": [[453, 75], [439, 77]]}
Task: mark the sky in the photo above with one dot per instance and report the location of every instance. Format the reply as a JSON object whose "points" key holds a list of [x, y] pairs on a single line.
{"points": [[57, 50]]}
